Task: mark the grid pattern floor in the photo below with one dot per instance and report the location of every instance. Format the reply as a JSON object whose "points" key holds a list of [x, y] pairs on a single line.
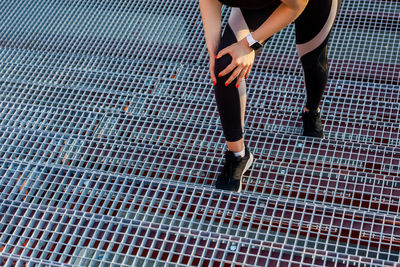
{"points": [[110, 142]]}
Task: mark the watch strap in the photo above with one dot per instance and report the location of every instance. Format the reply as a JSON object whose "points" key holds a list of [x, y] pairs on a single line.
{"points": [[253, 43]]}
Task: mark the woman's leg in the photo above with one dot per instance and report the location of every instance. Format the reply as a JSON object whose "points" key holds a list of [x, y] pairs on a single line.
{"points": [[313, 27], [231, 101]]}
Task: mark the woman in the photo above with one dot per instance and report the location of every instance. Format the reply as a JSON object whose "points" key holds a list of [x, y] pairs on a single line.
{"points": [[251, 24]]}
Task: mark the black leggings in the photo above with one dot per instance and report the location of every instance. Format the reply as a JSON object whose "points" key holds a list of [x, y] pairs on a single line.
{"points": [[313, 27]]}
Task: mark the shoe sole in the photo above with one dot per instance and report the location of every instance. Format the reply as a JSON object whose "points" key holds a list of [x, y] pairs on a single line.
{"points": [[248, 164]]}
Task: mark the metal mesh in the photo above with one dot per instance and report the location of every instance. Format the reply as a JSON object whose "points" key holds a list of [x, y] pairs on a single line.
{"points": [[85, 218], [110, 142]]}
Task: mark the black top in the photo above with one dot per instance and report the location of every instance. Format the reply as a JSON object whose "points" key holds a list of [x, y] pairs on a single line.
{"points": [[250, 4]]}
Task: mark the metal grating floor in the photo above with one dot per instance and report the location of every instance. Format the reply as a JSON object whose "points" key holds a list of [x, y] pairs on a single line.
{"points": [[110, 142]]}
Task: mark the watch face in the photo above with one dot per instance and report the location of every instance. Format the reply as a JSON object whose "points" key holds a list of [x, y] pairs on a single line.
{"points": [[256, 46]]}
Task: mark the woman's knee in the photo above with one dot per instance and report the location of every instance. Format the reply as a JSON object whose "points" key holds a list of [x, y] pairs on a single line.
{"points": [[316, 59], [221, 63]]}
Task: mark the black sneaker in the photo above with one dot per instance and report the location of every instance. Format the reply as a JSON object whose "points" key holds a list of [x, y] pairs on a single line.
{"points": [[312, 125], [232, 172]]}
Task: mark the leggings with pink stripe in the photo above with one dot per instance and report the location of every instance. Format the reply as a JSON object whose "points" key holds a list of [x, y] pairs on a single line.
{"points": [[313, 27]]}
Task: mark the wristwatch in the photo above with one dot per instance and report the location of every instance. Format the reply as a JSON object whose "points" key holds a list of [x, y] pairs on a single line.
{"points": [[253, 43]]}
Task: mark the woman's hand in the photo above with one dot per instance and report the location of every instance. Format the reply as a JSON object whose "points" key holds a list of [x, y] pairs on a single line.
{"points": [[242, 61]]}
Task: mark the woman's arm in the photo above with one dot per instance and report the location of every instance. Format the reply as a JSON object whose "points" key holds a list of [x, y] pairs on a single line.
{"points": [[285, 14], [211, 16]]}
